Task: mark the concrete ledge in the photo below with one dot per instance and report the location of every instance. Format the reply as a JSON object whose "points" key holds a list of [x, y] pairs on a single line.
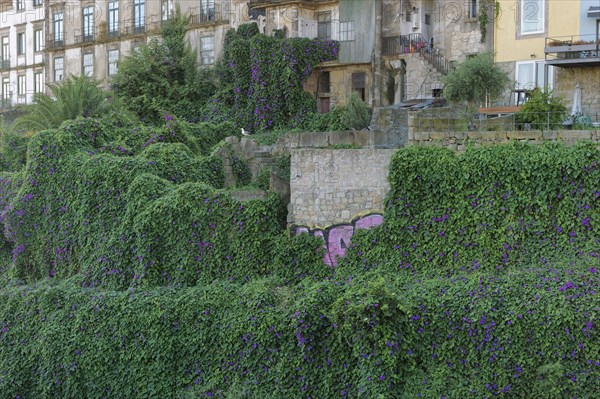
{"points": [[575, 135], [247, 195], [313, 139], [344, 137], [533, 135]]}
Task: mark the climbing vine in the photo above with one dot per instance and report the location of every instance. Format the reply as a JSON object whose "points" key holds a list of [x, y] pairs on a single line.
{"points": [[483, 15], [262, 79]]}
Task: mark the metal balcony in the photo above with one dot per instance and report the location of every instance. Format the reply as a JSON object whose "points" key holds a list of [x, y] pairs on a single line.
{"points": [[573, 51]]}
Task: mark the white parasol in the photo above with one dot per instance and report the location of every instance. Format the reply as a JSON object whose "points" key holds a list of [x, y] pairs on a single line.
{"points": [[576, 100]]}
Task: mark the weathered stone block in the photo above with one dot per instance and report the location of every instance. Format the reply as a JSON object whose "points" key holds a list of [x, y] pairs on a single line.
{"points": [[421, 136], [501, 135], [488, 136], [437, 135], [458, 135], [574, 135], [549, 135], [313, 139], [336, 138], [361, 138]]}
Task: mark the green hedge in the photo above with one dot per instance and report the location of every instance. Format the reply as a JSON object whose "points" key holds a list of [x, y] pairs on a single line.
{"points": [[530, 333], [489, 209]]}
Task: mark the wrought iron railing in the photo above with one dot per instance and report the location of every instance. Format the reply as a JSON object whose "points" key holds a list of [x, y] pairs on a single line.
{"points": [[436, 58], [403, 44]]}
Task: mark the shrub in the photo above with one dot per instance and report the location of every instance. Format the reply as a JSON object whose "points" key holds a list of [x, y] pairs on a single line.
{"points": [[543, 111], [357, 115]]}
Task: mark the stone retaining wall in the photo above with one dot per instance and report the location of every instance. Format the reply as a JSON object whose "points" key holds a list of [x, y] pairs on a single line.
{"points": [[329, 187], [458, 141]]}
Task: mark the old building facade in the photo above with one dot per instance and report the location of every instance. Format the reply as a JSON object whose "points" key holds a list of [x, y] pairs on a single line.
{"points": [[391, 51], [554, 44]]}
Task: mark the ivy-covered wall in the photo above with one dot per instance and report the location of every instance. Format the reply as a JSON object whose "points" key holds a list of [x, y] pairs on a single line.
{"points": [[145, 280], [487, 209], [123, 205]]}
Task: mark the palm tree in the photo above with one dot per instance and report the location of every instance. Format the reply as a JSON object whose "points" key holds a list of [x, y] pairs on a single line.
{"points": [[76, 96]]}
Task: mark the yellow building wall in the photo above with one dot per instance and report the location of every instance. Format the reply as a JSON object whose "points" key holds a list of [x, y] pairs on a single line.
{"points": [[562, 19]]}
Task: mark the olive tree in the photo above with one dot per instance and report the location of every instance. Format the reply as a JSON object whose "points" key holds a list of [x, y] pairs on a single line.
{"points": [[475, 80]]}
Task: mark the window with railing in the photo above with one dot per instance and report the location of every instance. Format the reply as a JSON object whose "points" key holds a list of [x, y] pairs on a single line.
{"points": [[139, 15], [88, 64], [58, 28], [207, 10], [113, 18], [88, 23], [324, 25], [38, 40], [166, 9], [59, 65]]}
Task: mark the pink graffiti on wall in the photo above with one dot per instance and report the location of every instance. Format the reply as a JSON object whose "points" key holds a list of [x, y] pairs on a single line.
{"points": [[337, 237]]}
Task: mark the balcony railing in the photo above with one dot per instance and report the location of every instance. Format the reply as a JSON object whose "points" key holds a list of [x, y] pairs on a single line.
{"points": [[415, 43], [200, 16], [54, 44], [404, 44], [572, 50], [87, 37], [266, 3]]}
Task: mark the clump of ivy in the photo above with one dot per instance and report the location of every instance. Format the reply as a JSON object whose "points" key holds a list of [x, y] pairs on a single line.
{"points": [[542, 111], [483, 16], [262, 79], [13, 150], [240, 169]]}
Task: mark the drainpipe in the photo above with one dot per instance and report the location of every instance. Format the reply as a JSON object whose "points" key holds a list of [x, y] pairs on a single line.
{"points": [[376, 92]]}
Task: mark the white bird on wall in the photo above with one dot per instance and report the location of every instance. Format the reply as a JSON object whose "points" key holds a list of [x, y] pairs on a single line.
{"points": [[245, 132]]}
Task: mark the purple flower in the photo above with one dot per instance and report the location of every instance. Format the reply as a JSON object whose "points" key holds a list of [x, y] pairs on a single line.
{"points": [[566, 286]]}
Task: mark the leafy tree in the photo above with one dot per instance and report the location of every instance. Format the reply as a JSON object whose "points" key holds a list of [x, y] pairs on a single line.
{"points": [[474, 80], [162, 77], [543, 110], [76, 96]]}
